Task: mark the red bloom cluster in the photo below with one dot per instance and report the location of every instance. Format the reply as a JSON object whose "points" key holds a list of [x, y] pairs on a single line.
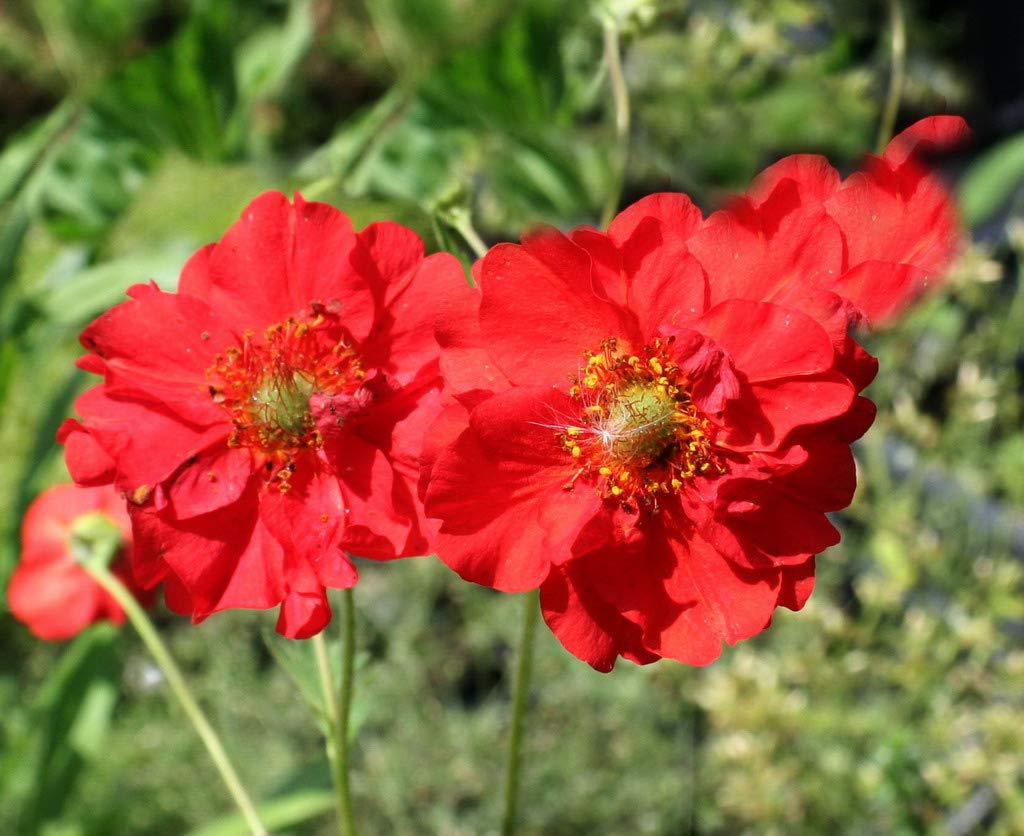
{"points": [[268, 416], [648, 424], [651, 423], [49, 591]]}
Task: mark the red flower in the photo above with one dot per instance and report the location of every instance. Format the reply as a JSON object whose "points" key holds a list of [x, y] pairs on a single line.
{"points": [[651, 423], [49, 591], [268, 415]]}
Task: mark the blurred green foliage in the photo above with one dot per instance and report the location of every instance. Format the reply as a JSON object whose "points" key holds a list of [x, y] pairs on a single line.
{"points": [[136, 130]]}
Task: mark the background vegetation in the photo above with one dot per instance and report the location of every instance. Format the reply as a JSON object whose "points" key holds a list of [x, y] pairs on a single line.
{"points": [[136, 130]]}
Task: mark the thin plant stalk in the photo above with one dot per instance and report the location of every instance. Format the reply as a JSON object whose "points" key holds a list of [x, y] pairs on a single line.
{"points": [[348, 659], [897, 73], [521, 692], [620, 100], [338, 708], [330, 696], [469, 234], [162, 656]]}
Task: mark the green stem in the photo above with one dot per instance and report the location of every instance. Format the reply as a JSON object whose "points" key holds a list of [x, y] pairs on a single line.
{"points": [[348, 659], [620, 98], [338, 706], [524, 668], [323, 665], [897, 73], [465, 228], [147, 632]]}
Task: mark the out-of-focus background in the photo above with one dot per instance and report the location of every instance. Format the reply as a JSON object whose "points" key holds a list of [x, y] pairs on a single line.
{"points": [[134, 131]]}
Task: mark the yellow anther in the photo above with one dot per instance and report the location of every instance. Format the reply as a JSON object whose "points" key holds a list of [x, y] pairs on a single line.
{"points": [[655, 365], [624, 477], [616, 490], [676, 483], [575, 451], [605, 471], [572, 431]]}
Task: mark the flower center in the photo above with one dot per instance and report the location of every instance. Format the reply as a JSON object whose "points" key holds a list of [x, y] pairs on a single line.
{"points": [[266, 384], [641, 435]]}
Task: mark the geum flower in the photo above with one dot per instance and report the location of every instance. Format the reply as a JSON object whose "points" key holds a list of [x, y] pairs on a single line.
{"points": [[651, 423], [49, 591], [267, 417]]}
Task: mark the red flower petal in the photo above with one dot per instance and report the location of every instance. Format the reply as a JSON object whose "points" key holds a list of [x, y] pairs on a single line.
{"points": [[195, 279], [217, 478], [56, 600], [145, 440], [158, 346], [412, 290], [465, 362], [587, 626], [815, 178], [718, 602], [927, 136], [224, 559], [499, 489], [797, 585], [768, 342], [761, 524], [87, 462], [668, 290], [756, 252], [673, 214], [279, 257], [770, 411], [539, 311]]}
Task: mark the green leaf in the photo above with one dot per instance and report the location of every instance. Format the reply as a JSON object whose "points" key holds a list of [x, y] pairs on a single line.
{"points": [[298, 660], [287, 811], [71, 718], [26, 150], [91, 291], [187, 203], [268, 59], [990, 181], [182, 95]]}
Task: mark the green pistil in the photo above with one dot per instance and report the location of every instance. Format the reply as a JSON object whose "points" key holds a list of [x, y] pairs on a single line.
{"points": [[640, 423], [95, 537], [283, 402]]}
